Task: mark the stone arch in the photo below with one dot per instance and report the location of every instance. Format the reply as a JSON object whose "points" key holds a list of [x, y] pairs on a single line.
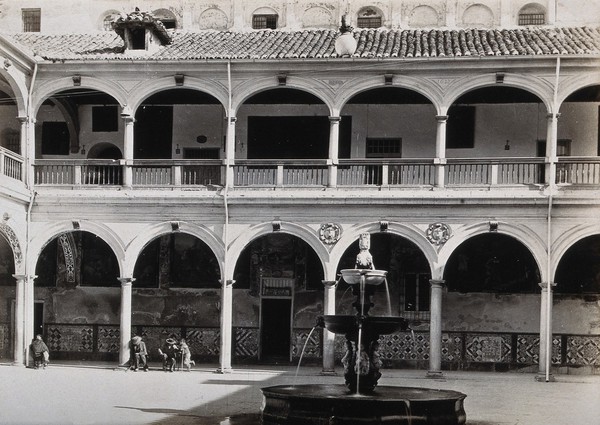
{"points": [[246, 90], [47, 89], [409, 232], [150, 233], [213, 19], [304, 233], [10, 236], [370, 12], [572, 85], [17, 84], [540, 88], [355, 86], [168, 16], [569, 238], [48, 233], [478, 15], [424, 16], [317, 17], [527, 237], [147, 89]]}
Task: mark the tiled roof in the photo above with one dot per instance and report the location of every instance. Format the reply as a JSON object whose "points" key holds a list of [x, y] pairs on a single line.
{"points": [[311, 44]]}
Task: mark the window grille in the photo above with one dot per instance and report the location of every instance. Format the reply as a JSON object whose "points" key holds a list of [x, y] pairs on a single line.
{"points": [[107, 22], [415, 296], [31, 20], [532, 19], [261, 22], [384, 147], [368, 22]]}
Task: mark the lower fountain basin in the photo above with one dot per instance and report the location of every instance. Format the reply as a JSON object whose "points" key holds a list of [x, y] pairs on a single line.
{"points": [[380, 325], [335, 404], [372, 277]]}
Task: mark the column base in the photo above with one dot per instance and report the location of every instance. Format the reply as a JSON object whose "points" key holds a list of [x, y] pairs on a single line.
{"points": [[328, 372], [18, 364], [541, 377], [224, 370], [435, 374]]}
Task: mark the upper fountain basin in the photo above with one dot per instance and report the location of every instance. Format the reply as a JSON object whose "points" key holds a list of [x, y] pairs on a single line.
{"points": [[381, 325], [372, 277]]}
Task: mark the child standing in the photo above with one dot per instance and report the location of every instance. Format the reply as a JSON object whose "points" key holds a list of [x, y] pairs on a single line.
{"points": [[186, 355]]}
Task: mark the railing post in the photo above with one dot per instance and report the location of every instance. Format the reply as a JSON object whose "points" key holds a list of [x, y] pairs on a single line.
{"points": [[384, 174], [551, 148], [77, 175], [440, 150], [230, 149], [177, 172], [495, 168], [128, 148], [279, 177], [334, 140], [2, 153]]}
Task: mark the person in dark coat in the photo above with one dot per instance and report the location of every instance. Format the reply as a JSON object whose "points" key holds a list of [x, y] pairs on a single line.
{"points": [[39, 352], [169, 352], [139, 354]]}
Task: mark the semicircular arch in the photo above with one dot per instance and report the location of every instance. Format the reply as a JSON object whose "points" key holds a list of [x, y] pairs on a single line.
{"points": [[568, 239], [50, 88], [356, 86], [527, 237], [304, 233], [48, 233], [12, 239], [576, 83], [17, 87], [146, 89], [150, 233], [536, 86]]}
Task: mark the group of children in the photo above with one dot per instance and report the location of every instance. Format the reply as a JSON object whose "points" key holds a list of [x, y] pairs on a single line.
{"points": [[170, 352]]}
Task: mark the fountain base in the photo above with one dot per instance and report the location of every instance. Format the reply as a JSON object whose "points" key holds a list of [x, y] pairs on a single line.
{"points": [[335, 404]]}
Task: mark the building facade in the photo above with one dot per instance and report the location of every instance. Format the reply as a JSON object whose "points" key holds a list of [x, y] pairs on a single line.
{"points": [[206, 171]]}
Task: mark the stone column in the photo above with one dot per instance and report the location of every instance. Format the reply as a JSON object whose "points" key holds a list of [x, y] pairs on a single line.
{"points": [[29, 301], [435, 330], [329, 337], [440, 150], [19, 337], [551, 148], [545, 326], [230, 151], [28, 149], [128, 149], [226, 326], [125, 319], [334, 142]]}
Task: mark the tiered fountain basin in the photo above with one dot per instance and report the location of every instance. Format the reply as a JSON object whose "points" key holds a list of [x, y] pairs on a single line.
{"points": [[361, 401], [335, 404]]}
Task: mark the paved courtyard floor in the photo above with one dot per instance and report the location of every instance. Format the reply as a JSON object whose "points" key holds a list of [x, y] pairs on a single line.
{"points": [[101, 394]]}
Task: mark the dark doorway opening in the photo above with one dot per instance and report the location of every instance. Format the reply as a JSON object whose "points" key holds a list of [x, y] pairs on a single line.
{"points": [[153, 132], [275, 330], [38, 318]]}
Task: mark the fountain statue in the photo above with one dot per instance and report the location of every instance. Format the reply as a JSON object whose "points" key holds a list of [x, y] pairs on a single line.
{"points": [[360, 400]]}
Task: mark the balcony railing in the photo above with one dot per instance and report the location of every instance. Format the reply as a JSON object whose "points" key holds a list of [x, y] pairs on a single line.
{"points": [[392, 173], [11, 164]]}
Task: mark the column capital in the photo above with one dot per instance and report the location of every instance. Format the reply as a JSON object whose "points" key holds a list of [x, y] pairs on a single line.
{"points": [[553, 115], [330, 283], [25, 277], [23, 120], [544, 285], [231, 120], [334, 120], [228, 282], [441, 118], [126, 281], [437, 282], [129, 119]]}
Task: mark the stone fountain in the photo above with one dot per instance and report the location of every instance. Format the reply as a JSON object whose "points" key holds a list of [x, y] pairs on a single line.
{"points": [[360, 400]]}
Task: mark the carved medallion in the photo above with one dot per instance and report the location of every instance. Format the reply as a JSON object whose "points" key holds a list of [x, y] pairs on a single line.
{"points": [[438, 233], [329, 233]]}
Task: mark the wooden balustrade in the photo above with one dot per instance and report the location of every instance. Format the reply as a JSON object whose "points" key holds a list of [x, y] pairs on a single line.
{"points": [[405, 172], [11, 164]]}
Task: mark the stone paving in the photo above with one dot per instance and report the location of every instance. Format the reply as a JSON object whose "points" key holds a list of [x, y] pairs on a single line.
{"points": [[102, 394]]}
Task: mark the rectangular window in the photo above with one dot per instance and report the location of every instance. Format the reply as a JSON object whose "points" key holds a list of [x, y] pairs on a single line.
{"points": [[532, 19], [105, 118], [32, 19], [55, 138], [261, 22], [384, 147], [460, 129], [372, 22]]}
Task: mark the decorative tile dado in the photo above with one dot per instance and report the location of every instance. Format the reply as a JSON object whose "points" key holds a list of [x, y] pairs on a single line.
{"points": [[70, 338], [203, 341], [402, 346], [109, 339], [452, 350], [313, 345], [155, 336], [246, 342], [583, 351], [493, 348]]}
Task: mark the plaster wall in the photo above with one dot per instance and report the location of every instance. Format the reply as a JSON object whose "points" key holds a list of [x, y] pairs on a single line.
{"points": [[576, 315], [191, 121], [90, 138]]}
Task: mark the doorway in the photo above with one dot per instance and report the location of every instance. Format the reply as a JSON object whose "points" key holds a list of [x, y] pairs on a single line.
{"points": [[275, 330], [38, 318]]}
